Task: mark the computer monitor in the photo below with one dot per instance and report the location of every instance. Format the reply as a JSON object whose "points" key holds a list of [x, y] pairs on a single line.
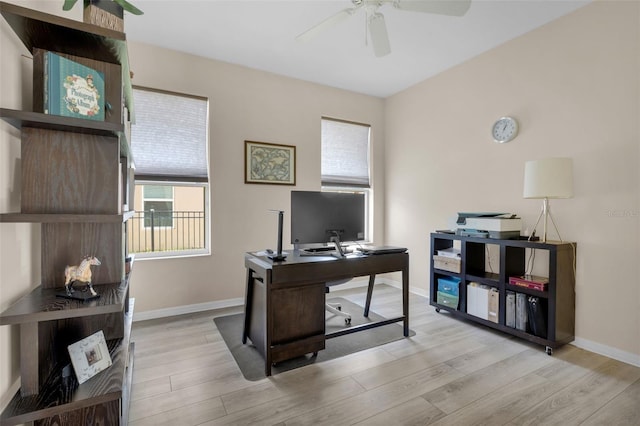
{"points": [[322, 217]]}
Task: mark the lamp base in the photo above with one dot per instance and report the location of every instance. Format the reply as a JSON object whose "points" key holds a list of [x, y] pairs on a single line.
{"points": [[277, 257], [546, 213]]}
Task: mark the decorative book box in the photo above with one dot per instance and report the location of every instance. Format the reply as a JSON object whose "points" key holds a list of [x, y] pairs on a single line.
{"points": [[72, 89], [530, 281], [446, 263]]}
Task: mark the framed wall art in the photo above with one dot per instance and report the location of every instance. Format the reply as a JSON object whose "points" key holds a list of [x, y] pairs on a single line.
{"points": [[89, 356], [269, 163]]}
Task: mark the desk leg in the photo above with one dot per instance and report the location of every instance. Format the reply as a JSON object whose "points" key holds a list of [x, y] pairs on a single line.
{"points": [[268, 322], [372, 279], [405, 299], [248, 299]]}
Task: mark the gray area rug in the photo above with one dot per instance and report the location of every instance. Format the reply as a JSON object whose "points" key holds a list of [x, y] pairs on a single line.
{"points": [[251, 363]]}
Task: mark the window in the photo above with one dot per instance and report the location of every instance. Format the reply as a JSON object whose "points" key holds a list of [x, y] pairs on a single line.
{"points": [[158, 205], [345, 160], [169, 141]]}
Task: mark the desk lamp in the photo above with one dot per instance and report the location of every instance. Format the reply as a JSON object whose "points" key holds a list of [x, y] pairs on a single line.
{"points": [[279, 255], [548, 178]]}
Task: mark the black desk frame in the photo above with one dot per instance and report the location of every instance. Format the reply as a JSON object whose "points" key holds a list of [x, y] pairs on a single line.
{"points": [[285, 301]]}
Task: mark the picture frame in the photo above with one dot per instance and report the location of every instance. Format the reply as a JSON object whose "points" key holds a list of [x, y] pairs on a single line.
{"points": [[269, 163], [89, 356]]}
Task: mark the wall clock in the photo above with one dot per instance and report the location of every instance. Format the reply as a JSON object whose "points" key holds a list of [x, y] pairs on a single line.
{"points": [[505, 129]]}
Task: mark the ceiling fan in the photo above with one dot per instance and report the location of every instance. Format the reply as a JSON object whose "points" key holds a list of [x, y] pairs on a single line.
{"points": [[375, 20]]}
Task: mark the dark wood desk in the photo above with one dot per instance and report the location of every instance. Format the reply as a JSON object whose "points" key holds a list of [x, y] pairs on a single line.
{"points": [[285, 301]]}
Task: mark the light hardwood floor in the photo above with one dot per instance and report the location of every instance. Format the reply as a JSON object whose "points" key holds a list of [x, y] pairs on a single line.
{"points": [[450, 373]]}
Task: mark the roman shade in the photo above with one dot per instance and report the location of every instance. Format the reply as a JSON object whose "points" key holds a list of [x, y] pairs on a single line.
{"points": [[169, 137], [345, 153]]}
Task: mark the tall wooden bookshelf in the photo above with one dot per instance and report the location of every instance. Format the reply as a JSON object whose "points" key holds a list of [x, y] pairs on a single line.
{"points": [[75, 174]]}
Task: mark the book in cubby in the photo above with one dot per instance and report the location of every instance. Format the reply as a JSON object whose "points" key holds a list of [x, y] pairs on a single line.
{"points": [[107, 76], [530, 281], [72, 89]]}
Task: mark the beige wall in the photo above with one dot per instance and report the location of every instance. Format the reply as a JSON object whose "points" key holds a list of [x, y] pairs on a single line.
{"points": [[244, 104], [574, 86]]}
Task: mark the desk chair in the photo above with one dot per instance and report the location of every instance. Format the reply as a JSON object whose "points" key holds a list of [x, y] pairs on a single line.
{"points": [[336, 308]]}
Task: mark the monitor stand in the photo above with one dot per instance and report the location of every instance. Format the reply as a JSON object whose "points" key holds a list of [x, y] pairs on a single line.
{"points": [[339, 251], [279, 255]]}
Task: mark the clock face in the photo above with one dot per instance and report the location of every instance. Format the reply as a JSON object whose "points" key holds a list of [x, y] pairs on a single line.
{"points": [[505, 129]]}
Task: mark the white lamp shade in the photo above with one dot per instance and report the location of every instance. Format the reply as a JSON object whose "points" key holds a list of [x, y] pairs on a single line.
{"points": [[548, 178]]}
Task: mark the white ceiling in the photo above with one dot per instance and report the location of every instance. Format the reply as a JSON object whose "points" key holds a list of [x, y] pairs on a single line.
{"points": [[261, 34]]}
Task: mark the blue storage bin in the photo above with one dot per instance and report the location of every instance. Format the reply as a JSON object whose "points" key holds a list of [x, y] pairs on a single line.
{"points": [[446, 299], [449, 285]]}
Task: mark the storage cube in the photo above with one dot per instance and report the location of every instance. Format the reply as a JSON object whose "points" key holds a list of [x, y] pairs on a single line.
{"points": [[510, 315], [449, 285], [494, 305], [446, 299], [447, 263], [478, 300]]}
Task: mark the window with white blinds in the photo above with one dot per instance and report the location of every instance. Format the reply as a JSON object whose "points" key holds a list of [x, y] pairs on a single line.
{"points": [[170, 152], [169, 137], [345, 153]]}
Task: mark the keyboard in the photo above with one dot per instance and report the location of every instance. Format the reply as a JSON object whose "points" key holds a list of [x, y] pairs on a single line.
{"points": [[322, 251], [382, 249], [318, 249]]}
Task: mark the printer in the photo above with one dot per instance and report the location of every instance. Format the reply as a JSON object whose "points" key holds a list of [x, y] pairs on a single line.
{"points": [[489, 225]]}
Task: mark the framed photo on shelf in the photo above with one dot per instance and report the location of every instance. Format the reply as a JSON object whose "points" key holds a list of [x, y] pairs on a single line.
{"points": [[89, 356], [269, 163]]}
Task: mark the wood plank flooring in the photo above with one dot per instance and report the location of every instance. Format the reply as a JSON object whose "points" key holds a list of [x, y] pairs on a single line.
{"points": [[450, 373]]}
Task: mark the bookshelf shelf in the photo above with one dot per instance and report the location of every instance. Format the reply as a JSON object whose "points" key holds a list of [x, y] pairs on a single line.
{"points": [[18, 119], [64, 218], [58, 399], [42, 304], [558, 300], [530, 291], [488, 278], [39, 120]]}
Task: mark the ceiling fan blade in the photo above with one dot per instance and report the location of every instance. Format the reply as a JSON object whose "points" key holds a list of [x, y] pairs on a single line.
{"points": [[326, 24], [379, 36], [441, 7]]}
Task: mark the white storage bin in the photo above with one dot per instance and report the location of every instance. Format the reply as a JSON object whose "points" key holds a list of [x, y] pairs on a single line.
{"points": [[478, 300]]}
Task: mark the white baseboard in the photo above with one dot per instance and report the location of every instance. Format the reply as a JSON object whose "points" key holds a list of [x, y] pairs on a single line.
{"points": [[599, 348], [229, 303], [398, 285], [607, 351], [187, 309]]}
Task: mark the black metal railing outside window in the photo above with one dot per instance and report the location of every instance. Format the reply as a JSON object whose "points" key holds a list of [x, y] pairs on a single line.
{"points": [[166, 231]]}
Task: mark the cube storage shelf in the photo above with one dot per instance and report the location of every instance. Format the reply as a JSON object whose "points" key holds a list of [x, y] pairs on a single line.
{"points": [[75, 182], [558, 299]]}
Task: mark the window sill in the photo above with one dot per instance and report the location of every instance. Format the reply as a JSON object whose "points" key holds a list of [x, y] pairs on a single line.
{"points": [[171, 255]]}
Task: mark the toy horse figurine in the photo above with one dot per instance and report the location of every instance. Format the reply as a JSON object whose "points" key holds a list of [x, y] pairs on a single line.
{"points": [[81, 273]]}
